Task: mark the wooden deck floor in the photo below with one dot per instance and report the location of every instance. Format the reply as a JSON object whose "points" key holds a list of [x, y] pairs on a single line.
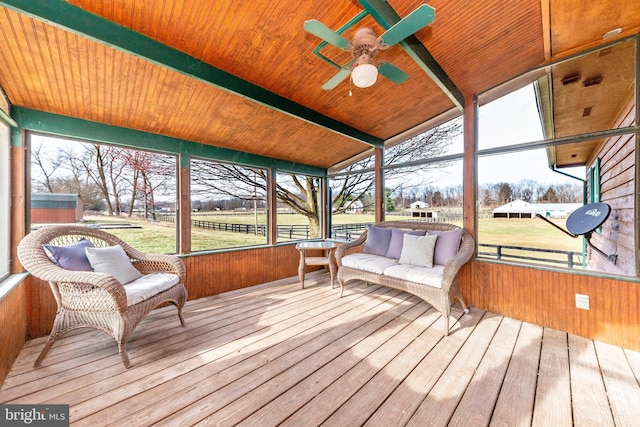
{"points": [[277, 354]]}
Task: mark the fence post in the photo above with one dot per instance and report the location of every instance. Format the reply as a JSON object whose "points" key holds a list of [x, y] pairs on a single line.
{"points": [[570, 256], [499, 252]]}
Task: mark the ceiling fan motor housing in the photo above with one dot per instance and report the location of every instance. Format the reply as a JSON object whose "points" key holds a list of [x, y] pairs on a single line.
{"points": [[365, 42]]}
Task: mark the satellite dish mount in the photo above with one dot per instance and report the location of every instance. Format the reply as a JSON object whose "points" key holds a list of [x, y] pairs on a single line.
{"points": [[584, 221]]}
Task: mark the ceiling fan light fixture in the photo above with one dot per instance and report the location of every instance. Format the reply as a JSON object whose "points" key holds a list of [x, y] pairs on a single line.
{"points": [[364, 75]]}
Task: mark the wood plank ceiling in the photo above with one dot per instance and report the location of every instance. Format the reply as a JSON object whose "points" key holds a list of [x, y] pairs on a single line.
{"points": [[44, 65]]}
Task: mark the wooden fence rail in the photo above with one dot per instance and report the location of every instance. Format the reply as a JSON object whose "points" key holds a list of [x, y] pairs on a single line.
{"points": [[352, 231]]}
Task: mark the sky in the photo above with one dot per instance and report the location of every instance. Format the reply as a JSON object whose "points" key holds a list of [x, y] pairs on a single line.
{"points": [[512, 119]]}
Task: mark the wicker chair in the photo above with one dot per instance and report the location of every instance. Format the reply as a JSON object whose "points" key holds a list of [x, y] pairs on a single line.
{"points": [[439, 298], [88, 299]]}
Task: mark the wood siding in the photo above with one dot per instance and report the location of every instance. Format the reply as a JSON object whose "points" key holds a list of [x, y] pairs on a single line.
{"points": [[47, 216], [617, 188], [548, 298]]}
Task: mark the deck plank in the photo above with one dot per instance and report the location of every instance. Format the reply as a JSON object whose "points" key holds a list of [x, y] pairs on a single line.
{"points": [[359, 408], [153, 330], [225, 327], [634, 362], [339, 391], [515, 403], [553, 393], [622, 388], [297, 386], [398, 408], [442, 400], [199, 384], [218, 351], [588, 408], [278, 354], [479, 399]]}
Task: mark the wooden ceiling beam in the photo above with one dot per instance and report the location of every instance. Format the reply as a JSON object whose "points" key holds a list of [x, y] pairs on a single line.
{"points": [[387, 17], [71, 18]]}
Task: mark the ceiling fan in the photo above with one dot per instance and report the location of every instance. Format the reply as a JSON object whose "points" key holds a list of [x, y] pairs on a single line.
{"points": [[364, 68]]}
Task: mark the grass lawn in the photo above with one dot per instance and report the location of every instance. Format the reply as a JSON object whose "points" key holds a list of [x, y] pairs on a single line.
{"points": [[160, 237]]}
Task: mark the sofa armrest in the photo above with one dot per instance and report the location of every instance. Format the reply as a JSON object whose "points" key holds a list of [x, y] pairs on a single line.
{"points": [[355, 246], [451, 268]]}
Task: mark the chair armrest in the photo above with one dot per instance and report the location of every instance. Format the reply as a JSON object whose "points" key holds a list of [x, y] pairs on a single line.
{"points": [[451, 268], [62, 278], [355, 246]]}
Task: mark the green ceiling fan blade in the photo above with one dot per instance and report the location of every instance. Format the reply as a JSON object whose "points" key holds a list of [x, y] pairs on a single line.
{"points": [[337, 79], [392, 72], [415, 21], [320, 30]]}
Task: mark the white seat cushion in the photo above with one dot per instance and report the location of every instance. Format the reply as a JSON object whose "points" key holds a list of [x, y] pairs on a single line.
{"points": [[368, 262], [413, 273], [148, 286]]}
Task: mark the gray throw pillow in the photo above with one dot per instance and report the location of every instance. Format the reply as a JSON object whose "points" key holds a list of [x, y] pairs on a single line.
{"points": [[397, 237], [113, 260], [418, 250]]}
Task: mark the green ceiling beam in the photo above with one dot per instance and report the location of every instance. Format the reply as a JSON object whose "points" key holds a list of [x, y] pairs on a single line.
{"points": [[387, 17], [70, 127], [71, 18]]}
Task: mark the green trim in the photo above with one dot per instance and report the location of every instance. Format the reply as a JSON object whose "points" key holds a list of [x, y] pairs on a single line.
{"points": [[16, 137], [70, 127], [387, 17], [85, 24], [7, 118]]}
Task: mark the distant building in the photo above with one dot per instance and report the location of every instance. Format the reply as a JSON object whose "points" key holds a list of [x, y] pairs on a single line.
{"points": [[48, 208], [558, 210], [355, 207], [419, 204], [521, 209], [417, 210]]}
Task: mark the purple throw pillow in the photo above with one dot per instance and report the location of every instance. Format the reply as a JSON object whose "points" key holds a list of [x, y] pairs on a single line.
{"points": [[447, 245], [378, 240], [71, 257], [397, 236]]}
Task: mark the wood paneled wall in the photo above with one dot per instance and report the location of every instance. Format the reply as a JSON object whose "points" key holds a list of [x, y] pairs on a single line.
{"points": [[13, 321], [221, 272], [548, 298]]}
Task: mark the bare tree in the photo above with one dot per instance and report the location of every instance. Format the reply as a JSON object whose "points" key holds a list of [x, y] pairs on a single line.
{"points": [[63, 173], [301, 193], [46, 165], [358, 178], [146, 172], [105, 166]]}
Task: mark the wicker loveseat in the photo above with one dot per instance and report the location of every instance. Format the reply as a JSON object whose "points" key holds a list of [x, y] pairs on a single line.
{"points": [[443, 285], [89, 299]]}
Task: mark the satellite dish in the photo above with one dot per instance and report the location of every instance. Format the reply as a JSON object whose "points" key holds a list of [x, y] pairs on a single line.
{"points": [[584, 221], [587, 218]]}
